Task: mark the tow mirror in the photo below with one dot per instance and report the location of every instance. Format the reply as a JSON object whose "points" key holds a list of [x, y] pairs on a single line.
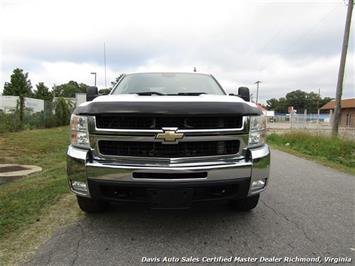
{"points": [[243, 92], [91, 93]]}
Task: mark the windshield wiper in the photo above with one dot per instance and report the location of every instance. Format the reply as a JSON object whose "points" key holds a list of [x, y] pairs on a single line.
{"points": [[191, 93], [149, 93]]}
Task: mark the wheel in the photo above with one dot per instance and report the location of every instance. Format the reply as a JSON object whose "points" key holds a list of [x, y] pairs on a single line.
{"points": [[245, 204], [90, 205]]}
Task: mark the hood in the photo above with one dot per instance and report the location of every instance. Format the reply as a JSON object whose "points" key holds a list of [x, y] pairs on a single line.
{"points": [[134, 104]]}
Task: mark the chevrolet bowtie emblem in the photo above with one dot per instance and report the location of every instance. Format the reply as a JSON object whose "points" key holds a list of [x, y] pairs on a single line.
{"points": [[169, 135]]}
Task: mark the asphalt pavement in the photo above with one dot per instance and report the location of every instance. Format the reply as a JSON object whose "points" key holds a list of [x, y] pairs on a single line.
{"points": [[307, 211]]}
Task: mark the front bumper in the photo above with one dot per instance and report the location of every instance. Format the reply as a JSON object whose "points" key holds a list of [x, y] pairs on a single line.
{"points": [[235, 176]]}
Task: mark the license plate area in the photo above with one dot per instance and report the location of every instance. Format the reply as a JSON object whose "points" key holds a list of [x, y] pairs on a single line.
{"points": [[170, 198]]}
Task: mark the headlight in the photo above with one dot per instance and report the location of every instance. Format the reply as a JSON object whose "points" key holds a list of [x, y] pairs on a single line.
{"points": [[257, 130], [79, 134]]}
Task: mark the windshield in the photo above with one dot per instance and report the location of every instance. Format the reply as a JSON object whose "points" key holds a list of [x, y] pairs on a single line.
{"points": [[168, 84]]}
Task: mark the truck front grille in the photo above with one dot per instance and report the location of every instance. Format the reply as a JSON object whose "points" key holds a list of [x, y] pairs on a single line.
{"points": [[156, 122], [156, 149]]}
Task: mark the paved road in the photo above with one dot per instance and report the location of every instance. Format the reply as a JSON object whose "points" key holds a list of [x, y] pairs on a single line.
{"points": [[307, 211]]}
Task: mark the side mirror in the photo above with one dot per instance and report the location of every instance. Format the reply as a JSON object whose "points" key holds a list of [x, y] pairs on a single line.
{"points": [[243, 92], [91, 93]]}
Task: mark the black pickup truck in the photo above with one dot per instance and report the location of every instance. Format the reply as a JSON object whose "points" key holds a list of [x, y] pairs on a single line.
{"points": [[168, 140]]}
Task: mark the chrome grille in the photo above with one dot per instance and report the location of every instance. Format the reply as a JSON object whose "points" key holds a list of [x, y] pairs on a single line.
{"points": [[128, 139]]}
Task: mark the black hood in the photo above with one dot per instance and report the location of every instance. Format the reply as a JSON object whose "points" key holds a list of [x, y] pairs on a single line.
{"points": [[168, 108]]}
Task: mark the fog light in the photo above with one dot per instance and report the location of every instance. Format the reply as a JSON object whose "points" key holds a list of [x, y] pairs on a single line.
{"points": [[259, 184], [79, 186]]}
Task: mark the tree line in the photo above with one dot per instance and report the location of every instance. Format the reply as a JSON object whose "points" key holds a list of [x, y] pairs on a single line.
{"points": [[20, 85], [300, 100], [56, 112]]}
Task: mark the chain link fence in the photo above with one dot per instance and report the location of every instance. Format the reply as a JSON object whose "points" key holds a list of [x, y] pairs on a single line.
{"points": [[36, 113], [311, 123]]}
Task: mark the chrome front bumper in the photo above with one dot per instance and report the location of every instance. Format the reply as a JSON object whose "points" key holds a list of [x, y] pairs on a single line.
{"points": [[81, 167]]}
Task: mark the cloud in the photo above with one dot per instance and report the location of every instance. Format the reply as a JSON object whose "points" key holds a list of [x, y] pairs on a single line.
{"points": [[288, 45]]}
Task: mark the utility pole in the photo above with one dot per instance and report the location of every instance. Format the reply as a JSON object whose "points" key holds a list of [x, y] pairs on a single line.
{"points": [[318, 111], [105, 64], [344, 50], [94, 73], [257, 91]]}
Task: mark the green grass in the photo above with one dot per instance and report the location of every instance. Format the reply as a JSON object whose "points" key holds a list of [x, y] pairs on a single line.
{"points": [[334, 152], [23, 201]]}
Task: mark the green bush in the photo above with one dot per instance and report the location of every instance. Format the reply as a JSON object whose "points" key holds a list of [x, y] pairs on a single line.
{"points": [[10, 122], [48, 114], [63, 110]]}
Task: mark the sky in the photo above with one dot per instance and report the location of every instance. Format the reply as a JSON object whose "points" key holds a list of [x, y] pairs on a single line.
{"points": [[287, 45]]}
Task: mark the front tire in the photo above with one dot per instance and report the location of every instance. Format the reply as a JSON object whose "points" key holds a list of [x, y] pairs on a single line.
{"points": [[90, 205], [245, 204]]}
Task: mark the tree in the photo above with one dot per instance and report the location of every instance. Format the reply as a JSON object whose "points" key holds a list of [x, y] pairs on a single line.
{"points": [[83, 87], [63, 109], [278, 105], [19, 85], [297, 99], [42, 92], [300, 101], [105, 91], [311, 102], [68, 90], [283, 106], [272, 104]]}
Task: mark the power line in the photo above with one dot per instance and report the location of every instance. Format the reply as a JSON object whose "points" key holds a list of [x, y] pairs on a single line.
{"points": [[307, 33], [303, 35]]}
